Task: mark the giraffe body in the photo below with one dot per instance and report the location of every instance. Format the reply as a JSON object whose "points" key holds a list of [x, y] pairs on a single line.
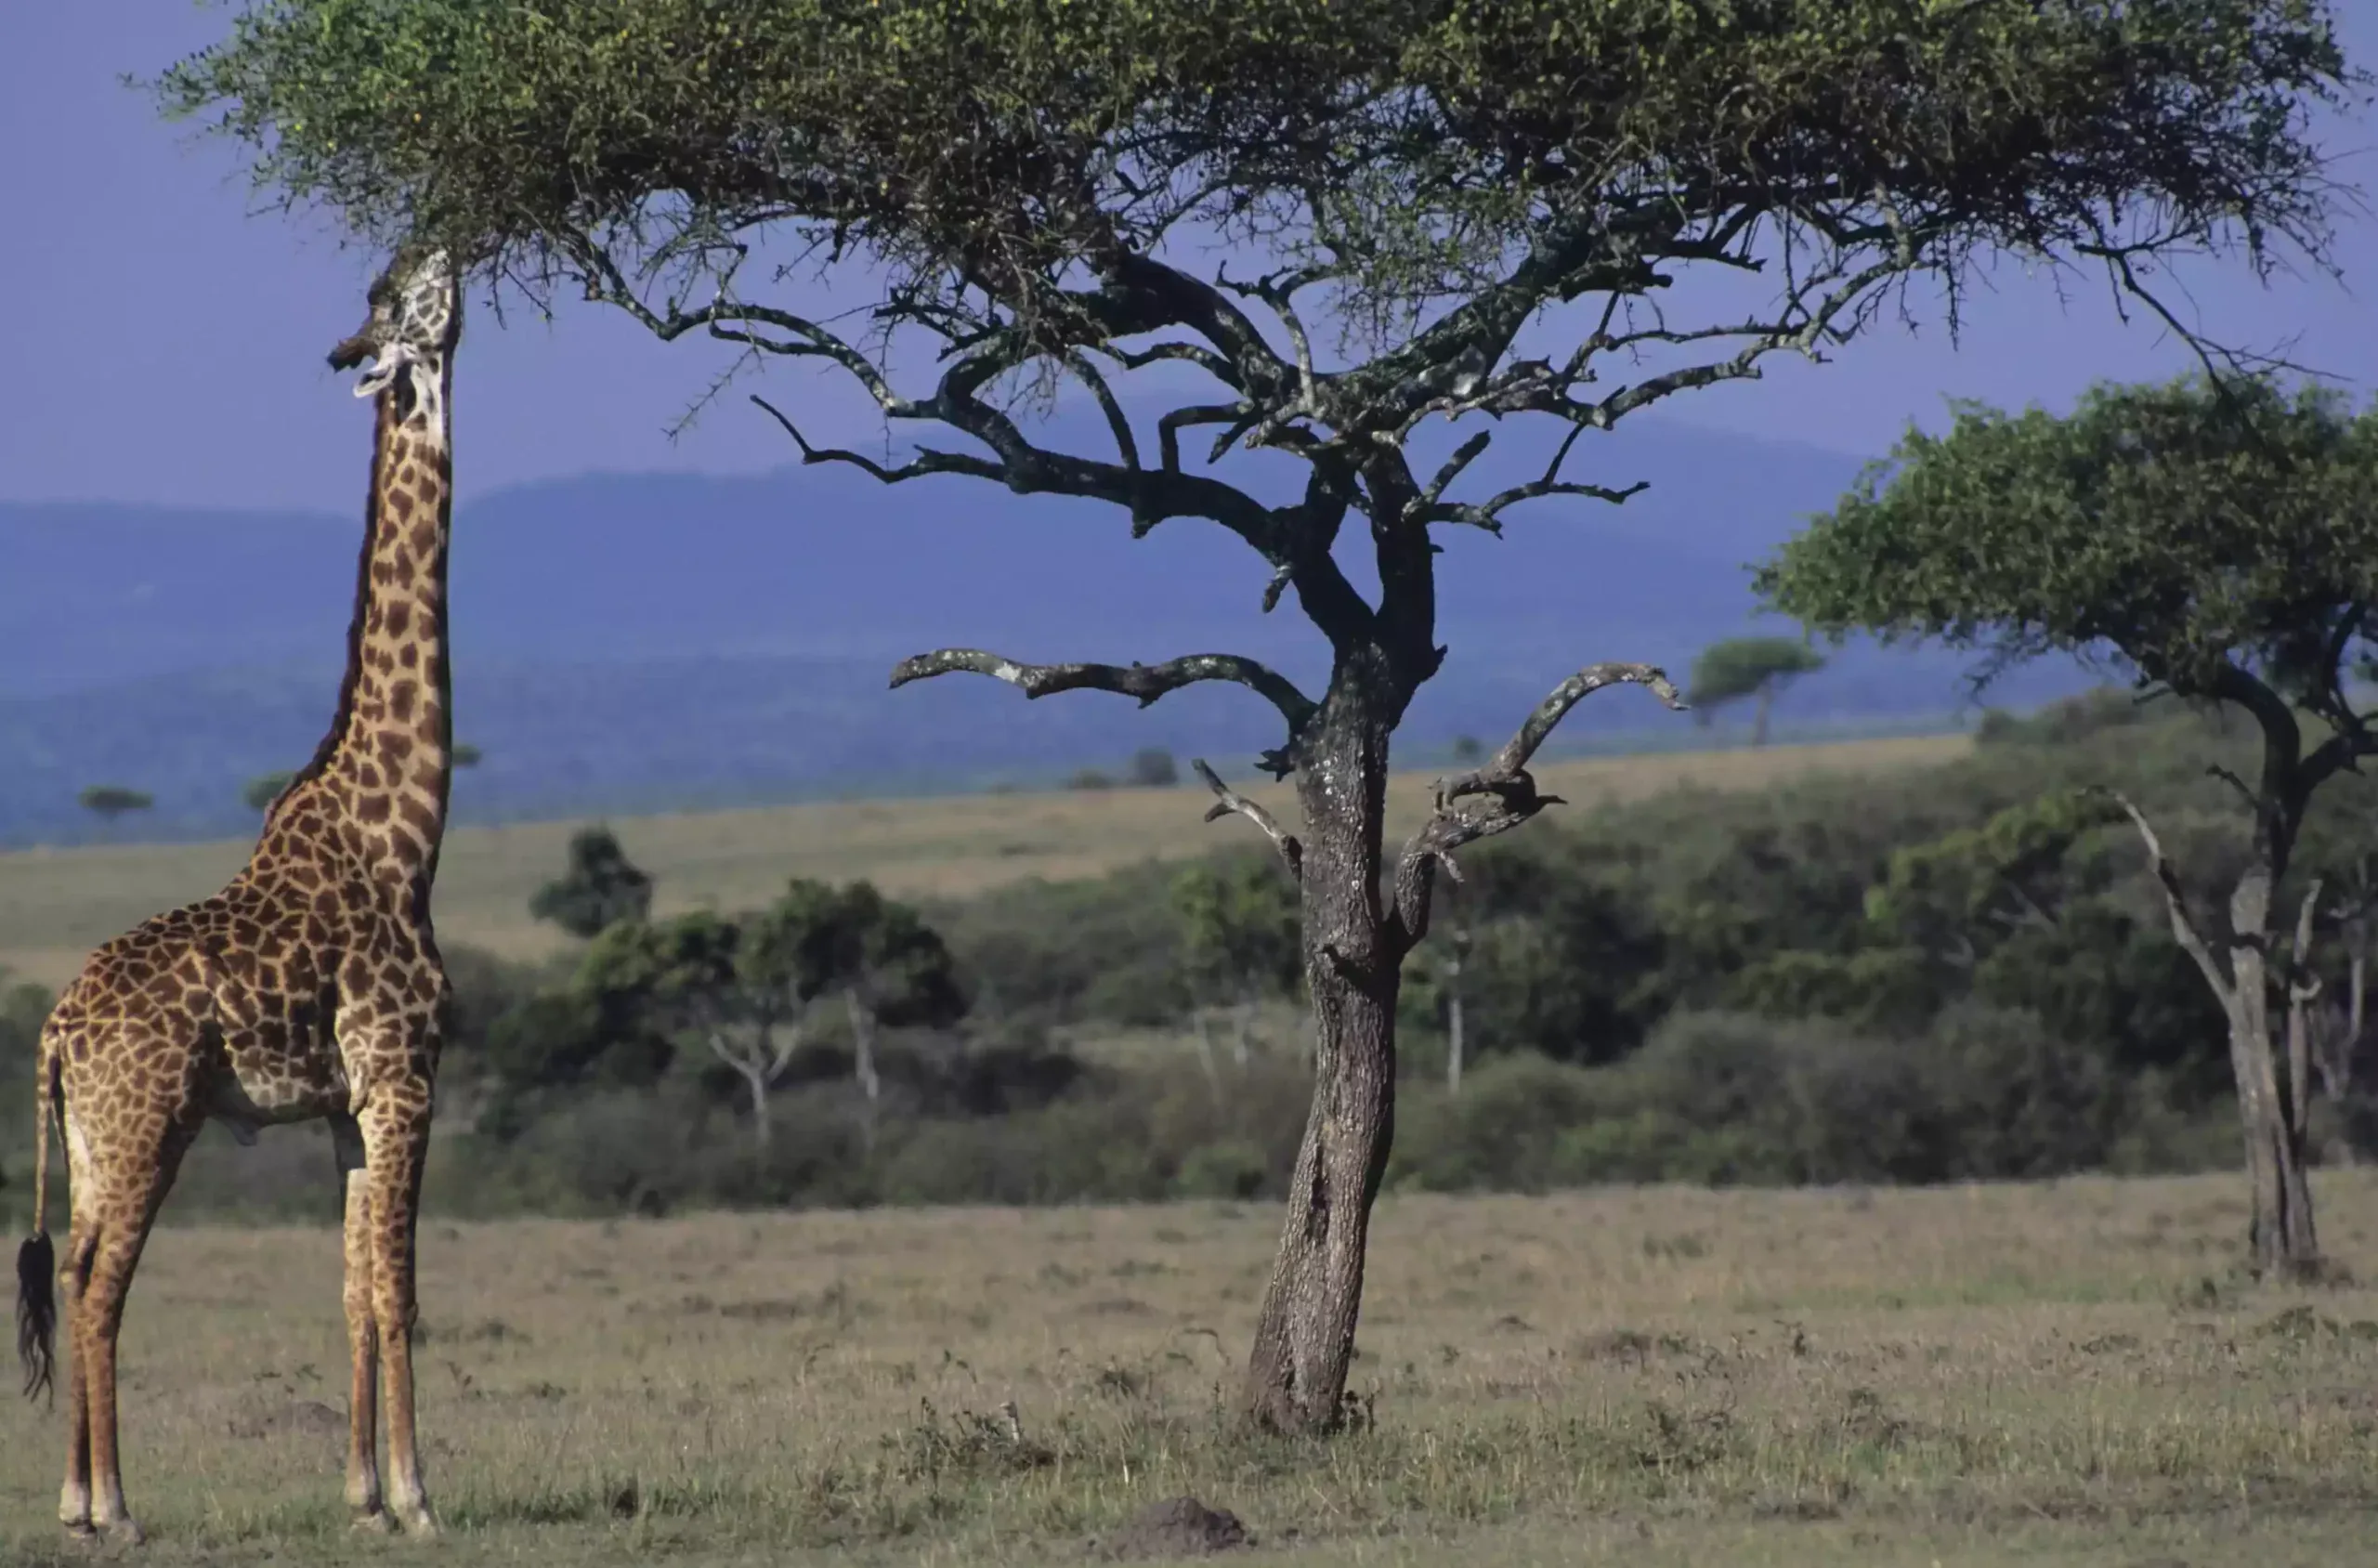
{"points": [[309, 987]]}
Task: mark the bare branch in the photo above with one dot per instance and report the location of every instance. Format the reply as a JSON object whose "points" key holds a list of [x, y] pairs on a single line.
{"points": [[1145, 682], [1124, 442], [2245, 791], [1512, 760], [2303, 989], [927, 460], [2185, 929], [1487, 514], [1227, 800], [1500, 794], [1204, 358], [1464, 455]]}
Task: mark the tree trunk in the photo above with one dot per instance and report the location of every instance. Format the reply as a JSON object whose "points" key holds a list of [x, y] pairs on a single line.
{"points": [[1453, 1042], [2281, 1235], [1759, 713], [870, 1085], [1205, 1055], [1243, 1045], [863, 1045], [1304, 1336], [758, 1083]]}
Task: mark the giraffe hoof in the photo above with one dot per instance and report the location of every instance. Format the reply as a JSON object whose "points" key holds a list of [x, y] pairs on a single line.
{"points": [[79, 1529], [374, 1521], [126, 1532], [420, 1523]]}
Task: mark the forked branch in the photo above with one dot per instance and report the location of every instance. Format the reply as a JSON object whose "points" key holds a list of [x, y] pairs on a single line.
{"points": [[1227, 800], [1501, 793], [2185, 929]]}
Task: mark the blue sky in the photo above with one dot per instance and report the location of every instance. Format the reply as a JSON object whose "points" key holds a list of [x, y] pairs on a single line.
{"points": [[166, 343]]}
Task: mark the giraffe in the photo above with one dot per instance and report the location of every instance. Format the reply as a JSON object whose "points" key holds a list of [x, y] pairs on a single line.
{"points": [[310, 987]]}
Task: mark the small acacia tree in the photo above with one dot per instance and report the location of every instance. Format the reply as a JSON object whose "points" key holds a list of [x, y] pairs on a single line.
{"points": [[733, 983], [107, 802], [601, 888], [1464, 210], [1756, 668], [2219, 539]]}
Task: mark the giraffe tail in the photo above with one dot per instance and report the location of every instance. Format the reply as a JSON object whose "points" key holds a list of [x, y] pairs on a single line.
{"points": [[38, 1260]]}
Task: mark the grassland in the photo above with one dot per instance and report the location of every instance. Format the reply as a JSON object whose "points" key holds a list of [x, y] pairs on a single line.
{"points": [[57, 905], [2058, 1374]]}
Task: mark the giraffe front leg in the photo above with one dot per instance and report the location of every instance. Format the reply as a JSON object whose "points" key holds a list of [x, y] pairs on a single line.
{"points": [[362, 1332], [396, 1137]]}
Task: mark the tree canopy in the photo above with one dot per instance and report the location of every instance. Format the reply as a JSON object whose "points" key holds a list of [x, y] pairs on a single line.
{"points": [[1741, 667], [111, 801], [601, 888], [1412, 140], [2217, 539]]}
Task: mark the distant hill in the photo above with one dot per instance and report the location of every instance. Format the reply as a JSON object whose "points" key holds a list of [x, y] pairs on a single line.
{"points": [[646, 641]]}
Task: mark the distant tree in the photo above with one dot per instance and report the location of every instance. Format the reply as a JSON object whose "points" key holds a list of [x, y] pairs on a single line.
{"points": [[1090, 778], [1153, 768], [2220, 541], [258, 793], [464, 754], [1239, 941], [890, 968], [1422, 184], [109, 802], [1756, 668], [722, 980], [745, 986], [1468, 749], [601, 888]]}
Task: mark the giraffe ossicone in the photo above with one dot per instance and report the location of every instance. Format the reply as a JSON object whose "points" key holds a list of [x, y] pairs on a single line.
{"points": [[310, 987]]}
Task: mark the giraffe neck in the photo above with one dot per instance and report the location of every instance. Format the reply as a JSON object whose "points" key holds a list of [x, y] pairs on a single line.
{"points": [[384, 770]]}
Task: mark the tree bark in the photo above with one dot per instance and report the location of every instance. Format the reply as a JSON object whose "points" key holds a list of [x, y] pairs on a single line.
{"points": [[1759, 713], [870, 1084], [2281, 1232], [1304, 1336], [2282, 1240], [1456, 958], [1205, 1055]]}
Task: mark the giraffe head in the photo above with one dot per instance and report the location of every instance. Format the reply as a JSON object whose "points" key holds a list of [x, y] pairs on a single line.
{"points": [[416, 314]]}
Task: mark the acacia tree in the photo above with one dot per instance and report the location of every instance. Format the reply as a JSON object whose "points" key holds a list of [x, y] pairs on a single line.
{"points": [[725, 980], [2219, 539], [107, 802], [892, 968], [1757, 668], [1464, 211], [601, 888], [1239, 942]]}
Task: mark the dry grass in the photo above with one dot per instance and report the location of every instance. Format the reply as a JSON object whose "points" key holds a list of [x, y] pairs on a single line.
{"points": [[1996, 1376], [57, 905]]}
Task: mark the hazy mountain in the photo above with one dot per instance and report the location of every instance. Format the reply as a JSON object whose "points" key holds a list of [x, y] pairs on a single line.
{"points": [[645, 640]]}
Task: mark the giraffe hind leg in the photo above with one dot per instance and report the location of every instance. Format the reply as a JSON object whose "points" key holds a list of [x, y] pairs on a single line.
{"points": [[362, 1332], [129, 1179], [74, 1496]]}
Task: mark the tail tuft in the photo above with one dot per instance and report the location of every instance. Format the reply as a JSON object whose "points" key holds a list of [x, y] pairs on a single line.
{"points": [[38, 1313]]}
